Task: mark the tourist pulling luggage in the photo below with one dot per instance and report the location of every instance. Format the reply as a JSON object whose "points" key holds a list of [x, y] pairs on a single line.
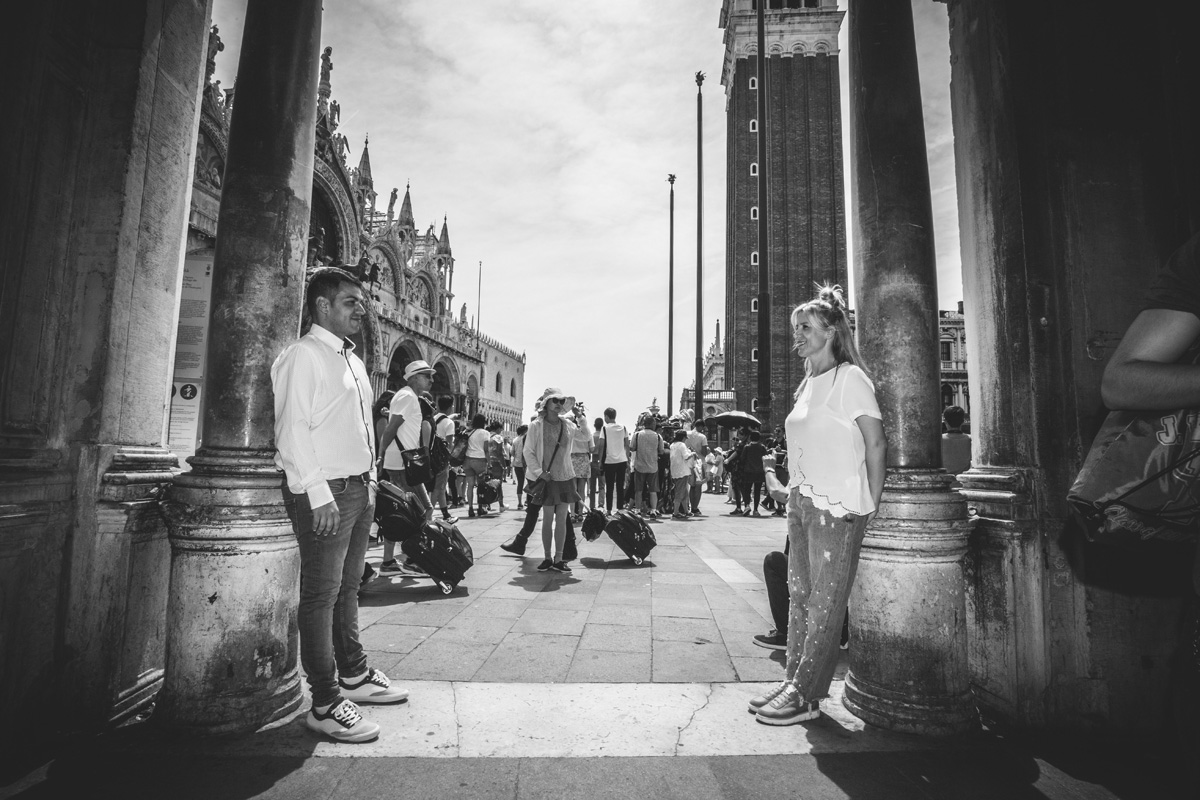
{"points": [[632, 535], [442, 551]]}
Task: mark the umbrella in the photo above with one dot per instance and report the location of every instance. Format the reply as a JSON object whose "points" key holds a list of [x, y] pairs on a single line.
{"points": [[735, 419]]}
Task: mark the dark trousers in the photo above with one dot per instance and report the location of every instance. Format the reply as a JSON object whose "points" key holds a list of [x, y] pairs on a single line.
{"points": [[520, 473], [775, 575], [614, 474]]}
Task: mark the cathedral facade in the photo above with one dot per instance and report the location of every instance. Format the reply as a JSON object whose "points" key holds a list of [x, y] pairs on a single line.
{"points": [[408, 272]]}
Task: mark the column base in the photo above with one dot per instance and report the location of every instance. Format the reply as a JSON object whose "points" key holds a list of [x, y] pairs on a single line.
{"points": [[908, 667], [232, 636]]}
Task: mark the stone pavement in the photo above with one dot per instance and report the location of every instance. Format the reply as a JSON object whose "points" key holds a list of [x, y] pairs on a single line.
{"points": [[614, 681]]}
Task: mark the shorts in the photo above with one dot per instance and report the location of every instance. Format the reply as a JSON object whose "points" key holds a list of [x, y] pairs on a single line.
{"points": [[476, 467], [582, 464], [645, 481]]}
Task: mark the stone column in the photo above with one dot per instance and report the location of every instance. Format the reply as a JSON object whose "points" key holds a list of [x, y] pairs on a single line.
{"points": [[908, 668], [232, 638]]}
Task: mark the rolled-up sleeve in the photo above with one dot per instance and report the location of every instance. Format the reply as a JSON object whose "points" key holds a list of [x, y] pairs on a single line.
{"points": [[294, 378]]}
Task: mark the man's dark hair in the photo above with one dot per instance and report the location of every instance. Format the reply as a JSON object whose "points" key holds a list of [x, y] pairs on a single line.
{"points": [[326, 283], [522, 430], [495, 425], [698, 424], [445, 403], [681, 435], [755, 436], [954, 416], [479, 421], [610, 414]]}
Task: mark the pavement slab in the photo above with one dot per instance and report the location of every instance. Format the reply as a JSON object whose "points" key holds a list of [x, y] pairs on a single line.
{"points": [[616, 681]]}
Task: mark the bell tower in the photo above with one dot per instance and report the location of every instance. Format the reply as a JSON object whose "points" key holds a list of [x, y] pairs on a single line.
{"points": [[806, 222]]}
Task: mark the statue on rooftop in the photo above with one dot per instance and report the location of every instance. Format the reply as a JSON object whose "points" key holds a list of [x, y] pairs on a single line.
{"points": [[215, 45], [326, 64]]}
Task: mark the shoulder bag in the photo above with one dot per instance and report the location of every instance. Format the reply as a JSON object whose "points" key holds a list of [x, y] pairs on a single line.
{"points": [[535, 492], [1140, 482]]}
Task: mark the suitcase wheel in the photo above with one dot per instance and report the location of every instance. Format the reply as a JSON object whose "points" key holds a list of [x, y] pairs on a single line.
{"points": [[636, 559], [446, 588]]}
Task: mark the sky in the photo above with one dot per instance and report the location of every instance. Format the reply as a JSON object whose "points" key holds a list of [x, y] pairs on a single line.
{"points": [[544, 132]]}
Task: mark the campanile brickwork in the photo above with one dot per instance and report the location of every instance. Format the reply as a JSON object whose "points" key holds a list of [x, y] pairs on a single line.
{"points": [[807, 239]]}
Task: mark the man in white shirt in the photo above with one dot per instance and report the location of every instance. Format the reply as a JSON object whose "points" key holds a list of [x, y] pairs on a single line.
{"points": [[403, 432], [614, 443], [325, 447]]}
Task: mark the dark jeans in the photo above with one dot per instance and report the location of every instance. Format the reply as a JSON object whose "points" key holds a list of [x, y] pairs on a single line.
{"points": [[330, 570], [695, 493], [520, 472], [752, 486], [614, 474], [775, 576]]}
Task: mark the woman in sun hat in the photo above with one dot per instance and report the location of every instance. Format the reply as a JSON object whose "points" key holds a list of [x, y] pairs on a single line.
{"points": [[548, 458]]}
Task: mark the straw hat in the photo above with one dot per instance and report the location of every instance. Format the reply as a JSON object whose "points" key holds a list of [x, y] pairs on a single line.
{"points": [[568, 400]]}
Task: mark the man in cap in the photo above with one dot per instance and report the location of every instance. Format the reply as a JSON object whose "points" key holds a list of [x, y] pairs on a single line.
{"points": [[403, 432], [325, 447]]}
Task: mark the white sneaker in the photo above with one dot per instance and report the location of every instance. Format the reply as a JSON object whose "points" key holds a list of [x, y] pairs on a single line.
{"points": [[343, 722], [375, 688]]}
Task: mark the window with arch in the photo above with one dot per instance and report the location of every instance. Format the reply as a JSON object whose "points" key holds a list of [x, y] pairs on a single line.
{"points": [[499, 383], [753, 167], [753, 83], [753, 212], [754, 404], [754, 258], [754, 305], [754, 354], [754, 126], [512, 388], [947, 349]]}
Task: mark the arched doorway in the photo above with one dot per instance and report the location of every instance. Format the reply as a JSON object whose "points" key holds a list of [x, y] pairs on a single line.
{"points": [[402, 356], [472, 396], [446, 384]]}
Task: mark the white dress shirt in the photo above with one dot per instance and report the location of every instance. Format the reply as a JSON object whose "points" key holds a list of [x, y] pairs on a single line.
{"points": [[322, 414]]}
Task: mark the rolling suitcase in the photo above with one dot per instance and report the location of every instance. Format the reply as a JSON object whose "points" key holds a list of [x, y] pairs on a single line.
{"points": [[398, 513], [442, 551], [631, 534]]}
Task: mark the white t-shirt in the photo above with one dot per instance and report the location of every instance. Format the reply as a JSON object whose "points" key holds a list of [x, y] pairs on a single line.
{"points": [[445, 429], [477, 443], [681, 460], [614, 444], [404, 402], [826, 450]]}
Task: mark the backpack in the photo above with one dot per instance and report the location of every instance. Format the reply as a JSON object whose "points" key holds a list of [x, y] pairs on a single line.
{"points": [[439, 451], [398, 512], [458, 453]]}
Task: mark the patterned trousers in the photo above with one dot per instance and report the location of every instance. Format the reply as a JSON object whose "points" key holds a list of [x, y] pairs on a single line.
{"points": [[822, 562]]}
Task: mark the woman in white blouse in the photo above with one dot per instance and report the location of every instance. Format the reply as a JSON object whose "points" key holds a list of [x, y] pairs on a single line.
{"points": [[837, 457]]}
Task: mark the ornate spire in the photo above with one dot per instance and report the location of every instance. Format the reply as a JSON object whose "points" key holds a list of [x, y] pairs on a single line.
{"points": [[364, 163], [444, 240], [406, 215]]}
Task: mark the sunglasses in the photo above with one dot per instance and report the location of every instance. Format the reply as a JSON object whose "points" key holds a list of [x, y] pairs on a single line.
{"points": [[559, 400]]}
